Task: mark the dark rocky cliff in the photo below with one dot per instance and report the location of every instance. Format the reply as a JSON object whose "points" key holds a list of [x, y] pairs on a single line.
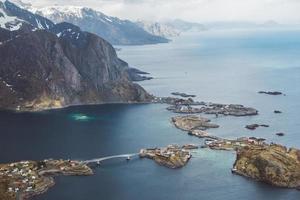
{"points": [[61, 66], [39, 70]]}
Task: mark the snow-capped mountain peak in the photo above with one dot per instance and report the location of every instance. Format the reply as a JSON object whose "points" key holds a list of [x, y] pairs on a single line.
{"points": [[74, 11], [112, 29], [61, 13]]}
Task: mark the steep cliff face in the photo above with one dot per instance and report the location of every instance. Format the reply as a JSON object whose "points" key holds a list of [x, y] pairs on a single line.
{"points": [[272, 164], [59, 66], [39, 70]]}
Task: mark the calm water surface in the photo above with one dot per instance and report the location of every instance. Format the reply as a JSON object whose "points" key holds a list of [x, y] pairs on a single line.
{"points": [[225, 67]]}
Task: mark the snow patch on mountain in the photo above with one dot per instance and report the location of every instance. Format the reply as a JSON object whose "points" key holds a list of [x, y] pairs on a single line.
{"points": [[60, 13], [114, 30], [71, 11], [11, 23]]}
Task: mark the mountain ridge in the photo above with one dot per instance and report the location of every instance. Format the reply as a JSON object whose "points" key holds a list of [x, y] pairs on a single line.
{"points": [[44, 67], [114, 30]]}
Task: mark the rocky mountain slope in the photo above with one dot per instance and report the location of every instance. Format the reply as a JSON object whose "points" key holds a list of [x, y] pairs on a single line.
{"points": [[112, 29], [274, 164], [159, 29], [43, 65]]}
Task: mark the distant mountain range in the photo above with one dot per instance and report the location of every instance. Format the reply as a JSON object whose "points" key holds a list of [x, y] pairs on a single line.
{"points": [[112, 29], [171, 28], [159, 29], [184, 26], [46, 65]]}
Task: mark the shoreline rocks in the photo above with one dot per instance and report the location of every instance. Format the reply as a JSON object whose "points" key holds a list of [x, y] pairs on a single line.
{"points": [[138, 75], [172, 156]]}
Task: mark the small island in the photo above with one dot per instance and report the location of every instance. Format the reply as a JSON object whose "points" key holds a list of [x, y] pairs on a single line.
{"points": [[193, 122], [255, 126], [173, 156], [270, 92], [185, 106]]}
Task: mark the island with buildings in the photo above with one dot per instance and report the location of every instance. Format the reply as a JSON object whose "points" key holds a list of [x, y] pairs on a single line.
{"points": [[172, 156], [25, 179], [255, 158]]}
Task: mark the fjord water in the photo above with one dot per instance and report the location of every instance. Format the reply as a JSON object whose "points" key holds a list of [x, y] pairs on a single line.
{"points": [[217, 66]]}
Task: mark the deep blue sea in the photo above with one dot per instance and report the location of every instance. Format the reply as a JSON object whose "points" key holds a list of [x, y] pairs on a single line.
{"points": [[217, 66]]}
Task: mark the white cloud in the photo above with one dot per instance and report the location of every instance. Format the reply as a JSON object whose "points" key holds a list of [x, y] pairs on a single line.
{"points": [[284, 11]]}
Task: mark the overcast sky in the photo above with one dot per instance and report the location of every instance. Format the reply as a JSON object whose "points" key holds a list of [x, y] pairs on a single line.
{"points": [[283, 11]]}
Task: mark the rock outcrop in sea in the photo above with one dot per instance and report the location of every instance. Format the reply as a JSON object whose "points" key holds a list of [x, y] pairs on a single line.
{"points": [[255, 126], [270, 92], [273, 164]]}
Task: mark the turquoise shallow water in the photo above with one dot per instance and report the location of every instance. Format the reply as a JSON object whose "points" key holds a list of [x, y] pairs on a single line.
{"points": [[225, 67]]}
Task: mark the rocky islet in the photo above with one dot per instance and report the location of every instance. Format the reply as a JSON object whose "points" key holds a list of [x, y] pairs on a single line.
{"points": [[173, 156]]}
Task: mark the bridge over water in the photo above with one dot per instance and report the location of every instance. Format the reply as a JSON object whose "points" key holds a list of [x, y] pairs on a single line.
{"points": [[99, 160]]}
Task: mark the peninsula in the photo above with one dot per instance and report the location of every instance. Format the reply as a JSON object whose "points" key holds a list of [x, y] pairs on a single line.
{"points": [[26, 179]]}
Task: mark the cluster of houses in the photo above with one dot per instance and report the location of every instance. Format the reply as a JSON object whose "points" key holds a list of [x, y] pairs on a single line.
{"points": [[225, 144], [167, 152], [25, 174], [22, 173]]}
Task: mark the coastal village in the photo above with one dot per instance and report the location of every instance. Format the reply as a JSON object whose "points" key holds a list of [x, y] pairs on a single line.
{"points": [[257, 159], [25, 179]]}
